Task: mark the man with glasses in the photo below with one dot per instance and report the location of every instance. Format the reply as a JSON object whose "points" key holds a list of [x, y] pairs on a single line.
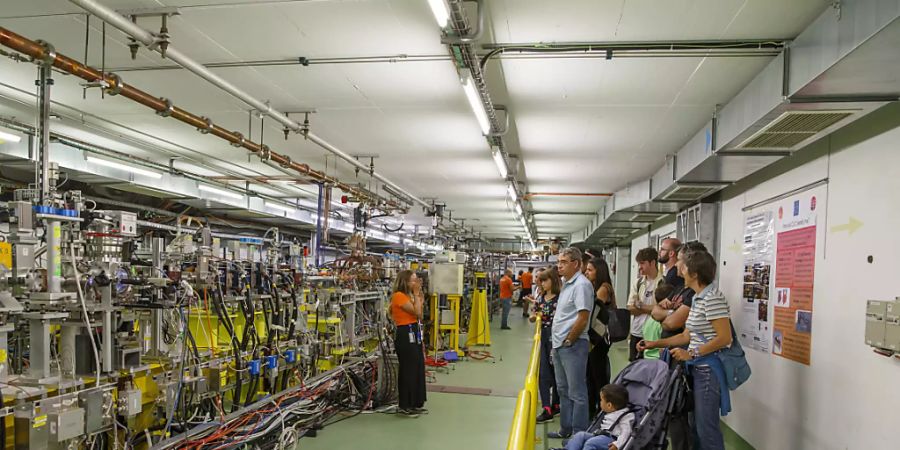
{"points": [[570, 344]]}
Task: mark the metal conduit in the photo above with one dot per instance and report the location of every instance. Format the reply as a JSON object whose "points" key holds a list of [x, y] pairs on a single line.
{"points": [[148, 39], [164, 107]]}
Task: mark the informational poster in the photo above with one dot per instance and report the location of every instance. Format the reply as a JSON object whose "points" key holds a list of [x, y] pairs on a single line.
{"points": [[795, 260], [754, 319]]}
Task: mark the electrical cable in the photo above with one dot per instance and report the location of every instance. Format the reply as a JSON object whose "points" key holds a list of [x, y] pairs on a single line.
{"points": [[84, 311]]}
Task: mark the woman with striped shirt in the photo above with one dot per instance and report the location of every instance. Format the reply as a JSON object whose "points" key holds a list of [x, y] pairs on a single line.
{"points": [[707, 331]]}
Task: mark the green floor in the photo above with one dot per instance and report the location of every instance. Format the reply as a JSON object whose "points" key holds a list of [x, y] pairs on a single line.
{"points": [[463, 421]]}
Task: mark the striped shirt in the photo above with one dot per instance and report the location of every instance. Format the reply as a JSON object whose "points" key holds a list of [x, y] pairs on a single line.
{"points": [[707, 306]]}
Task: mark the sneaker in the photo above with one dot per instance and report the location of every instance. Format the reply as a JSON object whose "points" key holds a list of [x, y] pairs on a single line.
{"points": [[420, 410], [505, 328], [559, 435], [545, 416], [407, 413], [555, 410]]}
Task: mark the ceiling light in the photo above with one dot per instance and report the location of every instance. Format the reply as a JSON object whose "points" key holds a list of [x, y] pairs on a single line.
{"points": [[4, 136], [221, 192], [441, 12], [474, 98], [500, 162], [511, 189], [125, 167], [518, 209], [281, 208]]}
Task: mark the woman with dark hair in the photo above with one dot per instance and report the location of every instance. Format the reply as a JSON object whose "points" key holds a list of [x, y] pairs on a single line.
{"points": [[708, 330], [545, 307], [598, 369], [406, 310]]}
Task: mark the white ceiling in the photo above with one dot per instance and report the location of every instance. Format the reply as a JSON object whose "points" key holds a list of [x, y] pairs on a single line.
{"points": [[580, 125]]}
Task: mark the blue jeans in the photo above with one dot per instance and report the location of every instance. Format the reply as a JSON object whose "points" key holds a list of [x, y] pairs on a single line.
{"points": [[587, 441], [570, 365], [504, 318], [707, 398], [547, 379]]}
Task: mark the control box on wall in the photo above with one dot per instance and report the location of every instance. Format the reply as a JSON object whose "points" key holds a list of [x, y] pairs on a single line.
{"points": [[883, 325]]}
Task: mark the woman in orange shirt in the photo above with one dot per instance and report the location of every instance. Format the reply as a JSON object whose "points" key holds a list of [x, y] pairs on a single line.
{"points": [[406, 310]]}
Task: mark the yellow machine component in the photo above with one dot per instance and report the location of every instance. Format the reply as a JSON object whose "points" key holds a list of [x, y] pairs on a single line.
{"points": [[479, 322], [442, 325], [6, 255]]}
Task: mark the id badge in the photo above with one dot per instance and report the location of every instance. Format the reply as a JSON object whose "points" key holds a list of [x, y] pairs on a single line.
{"points": [[412, 337]]}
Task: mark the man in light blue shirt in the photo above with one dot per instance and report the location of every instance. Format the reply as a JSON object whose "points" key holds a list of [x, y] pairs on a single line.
{"points": [[570, 344]]}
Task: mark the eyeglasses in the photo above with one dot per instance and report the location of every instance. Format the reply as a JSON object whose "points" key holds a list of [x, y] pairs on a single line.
{"points": [[563, 261]]}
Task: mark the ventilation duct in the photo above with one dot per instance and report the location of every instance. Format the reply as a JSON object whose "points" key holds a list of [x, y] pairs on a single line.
{"points": [[842, 67]]}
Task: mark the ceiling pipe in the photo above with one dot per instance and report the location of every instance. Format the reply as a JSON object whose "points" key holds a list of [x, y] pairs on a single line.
{"points": [[164, 107], [529, 195], [143, 36]]}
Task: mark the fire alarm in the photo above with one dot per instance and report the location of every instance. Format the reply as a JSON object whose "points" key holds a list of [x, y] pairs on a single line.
{"points": [[344, 199]]}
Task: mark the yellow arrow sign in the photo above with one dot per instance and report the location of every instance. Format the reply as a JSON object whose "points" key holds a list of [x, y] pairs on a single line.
{"points": [[849, 227]]}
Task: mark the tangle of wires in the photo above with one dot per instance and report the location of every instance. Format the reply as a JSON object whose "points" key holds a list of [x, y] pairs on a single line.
{"points": [[277, 422]]}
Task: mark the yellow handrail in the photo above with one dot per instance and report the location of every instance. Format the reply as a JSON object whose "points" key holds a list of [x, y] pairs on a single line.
{"points": [[522, 431]]}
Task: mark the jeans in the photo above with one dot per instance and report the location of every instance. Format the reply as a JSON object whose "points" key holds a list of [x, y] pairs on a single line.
{"points": [[570, 364], [707, 397], [507, 304], [587, 441], [547, 381]]}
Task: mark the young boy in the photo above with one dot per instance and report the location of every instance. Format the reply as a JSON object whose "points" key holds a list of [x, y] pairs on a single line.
{"points": [[652, 329], [616, 426]]}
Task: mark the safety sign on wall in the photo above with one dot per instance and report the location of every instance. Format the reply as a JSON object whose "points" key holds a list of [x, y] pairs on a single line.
{"points": [[795, 260]]}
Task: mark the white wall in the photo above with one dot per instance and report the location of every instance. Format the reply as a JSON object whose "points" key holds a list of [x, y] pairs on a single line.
{"points": [[848, 398]]}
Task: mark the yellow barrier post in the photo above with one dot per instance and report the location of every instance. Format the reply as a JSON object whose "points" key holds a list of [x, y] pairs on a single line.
{"points": [[522, 431]]}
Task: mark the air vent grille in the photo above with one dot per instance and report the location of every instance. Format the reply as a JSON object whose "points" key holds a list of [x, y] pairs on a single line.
{"points": [[689, 192], [646, 217], [793, 128]]}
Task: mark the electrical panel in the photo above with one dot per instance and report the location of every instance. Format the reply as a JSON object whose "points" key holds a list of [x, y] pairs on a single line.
{"points": [[883, 325], [446, 279]]}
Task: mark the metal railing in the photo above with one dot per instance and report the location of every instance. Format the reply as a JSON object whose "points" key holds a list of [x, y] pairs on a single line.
{"points": [[522, 431]]}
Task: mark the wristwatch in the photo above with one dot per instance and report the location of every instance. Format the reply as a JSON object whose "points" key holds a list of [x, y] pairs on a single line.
{"points": [[567, 343], [695, 352]]}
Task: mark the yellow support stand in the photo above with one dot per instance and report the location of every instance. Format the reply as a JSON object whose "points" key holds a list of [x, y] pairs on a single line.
{"points": [[479, 322], [453, 329]]}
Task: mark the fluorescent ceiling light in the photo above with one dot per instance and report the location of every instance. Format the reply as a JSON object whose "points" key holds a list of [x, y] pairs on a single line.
{"points": [[221, 192], [441, 12], [512, 192], [474, 98], [281, 207], [4, 136], [500, 162], [125, 167], [518, 209]]}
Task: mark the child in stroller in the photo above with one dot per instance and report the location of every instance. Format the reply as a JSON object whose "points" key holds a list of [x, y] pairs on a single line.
{"points": [[615, 427], [653, 393]]}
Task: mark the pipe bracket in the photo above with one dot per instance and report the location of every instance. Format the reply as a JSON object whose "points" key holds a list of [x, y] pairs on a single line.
{"points": [[240, 140], [287, 162], [264, 153], [170, 108], [115, 88], [208, 127], [49, 53]]}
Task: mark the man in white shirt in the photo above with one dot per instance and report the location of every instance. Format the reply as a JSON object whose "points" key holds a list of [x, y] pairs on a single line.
{"points": [[641, 302]]}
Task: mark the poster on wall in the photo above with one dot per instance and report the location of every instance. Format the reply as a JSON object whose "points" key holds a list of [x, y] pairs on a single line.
{"points": [[795, 259], [754, 328]]}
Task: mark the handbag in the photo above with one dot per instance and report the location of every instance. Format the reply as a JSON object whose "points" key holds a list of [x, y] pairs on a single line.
{"points": [[619, 326], [734, 361]]}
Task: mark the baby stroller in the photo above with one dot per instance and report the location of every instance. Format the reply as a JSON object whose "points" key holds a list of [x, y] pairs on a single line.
{"points": [[652, 395]]}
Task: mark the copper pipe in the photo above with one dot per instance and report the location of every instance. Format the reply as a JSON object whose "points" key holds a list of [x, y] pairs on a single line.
{"points": [[567, 194], [164, 107]]}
